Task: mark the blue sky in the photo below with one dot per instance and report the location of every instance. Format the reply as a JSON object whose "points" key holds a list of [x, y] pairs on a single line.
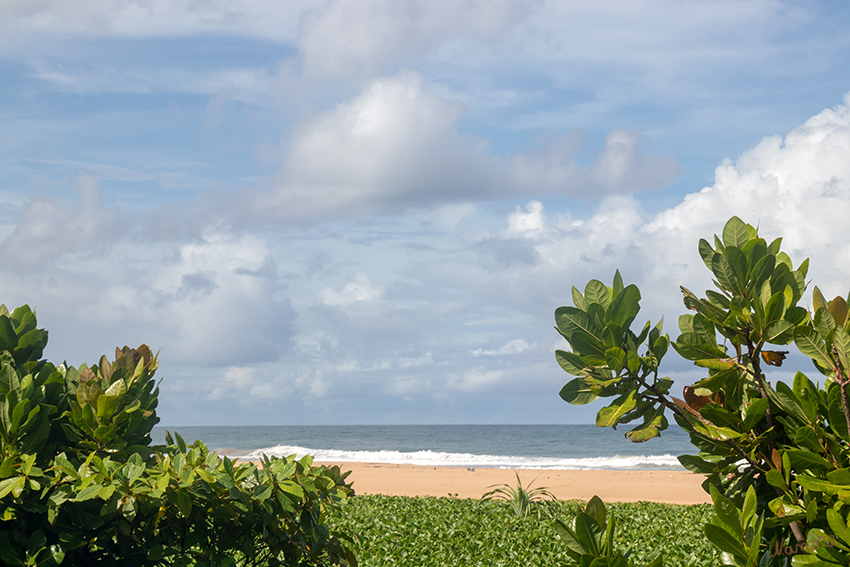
{"points": [[365, 211]]}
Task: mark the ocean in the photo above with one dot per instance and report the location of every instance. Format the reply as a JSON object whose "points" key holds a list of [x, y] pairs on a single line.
{"points": [[486, 446]]}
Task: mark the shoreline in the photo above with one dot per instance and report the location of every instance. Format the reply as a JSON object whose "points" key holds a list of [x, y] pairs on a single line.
{"points": [[669, 487]]}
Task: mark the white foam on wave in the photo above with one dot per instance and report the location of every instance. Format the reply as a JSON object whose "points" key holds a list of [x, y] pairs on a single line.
{"points": [[436, 458]]}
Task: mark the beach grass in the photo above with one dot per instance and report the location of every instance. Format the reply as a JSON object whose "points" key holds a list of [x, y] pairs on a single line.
{"points": [[425, 531]]}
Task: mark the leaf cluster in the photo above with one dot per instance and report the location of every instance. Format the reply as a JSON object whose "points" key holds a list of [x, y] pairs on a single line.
{"points": [[81, 484], [606, 357], [590, 538], [776, 457]]}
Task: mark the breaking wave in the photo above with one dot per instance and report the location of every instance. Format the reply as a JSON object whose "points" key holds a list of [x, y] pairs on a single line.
{"points": [[436, 458]]}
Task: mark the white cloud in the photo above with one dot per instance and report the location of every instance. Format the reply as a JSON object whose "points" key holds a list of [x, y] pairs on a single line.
{"points": [[353, 38], [396, 146], [361, 289], [50, 229], [528, 221], [476, 380], [155, 18], [514, 346], [390, 148], [620, 167]]}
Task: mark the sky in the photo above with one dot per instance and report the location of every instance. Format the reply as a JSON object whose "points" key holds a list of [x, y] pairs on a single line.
{"points": [[366, 211]]}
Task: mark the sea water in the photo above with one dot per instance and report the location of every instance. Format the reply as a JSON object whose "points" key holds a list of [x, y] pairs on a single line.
{"points": [[486, 446]]}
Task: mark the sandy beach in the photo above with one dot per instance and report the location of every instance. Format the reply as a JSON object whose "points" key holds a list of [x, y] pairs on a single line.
{"points": [[674, 487]]}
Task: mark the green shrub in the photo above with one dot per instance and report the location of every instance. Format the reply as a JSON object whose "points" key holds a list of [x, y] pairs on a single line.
{"points": [[776, 458], [81, 484]]}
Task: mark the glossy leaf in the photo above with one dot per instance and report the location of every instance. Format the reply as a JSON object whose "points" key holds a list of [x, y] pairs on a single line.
{"points": [[576, 392]]}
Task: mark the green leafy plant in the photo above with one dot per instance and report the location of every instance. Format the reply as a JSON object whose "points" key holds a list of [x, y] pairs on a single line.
{"points": [[521, 498], [443, 532], [775, 455], [590, 538], [81, 484]]}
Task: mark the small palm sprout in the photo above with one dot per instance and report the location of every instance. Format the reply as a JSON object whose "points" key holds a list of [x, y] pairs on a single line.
{"points": [[520, 498]]}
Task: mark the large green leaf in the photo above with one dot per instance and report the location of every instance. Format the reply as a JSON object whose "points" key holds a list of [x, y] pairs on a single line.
{"points": [[838, 525], [625, 306], [588, 533], [835, 413], [689, 346], [818, 485], [802, 459], [571, 320], [597, 292], [8, 337], [653, 425], [725, 541], [570, 362], [9, 381], [576, 392], [618, 285], [841, 343], [735, 233], [806, 438], [717, 433], [697, 464], [578, 299], [737, 261], [778, 333], [812, 345], [725, 275], [570, 539], [595, 508], [706, 252], [610, 416], [587, 345]]}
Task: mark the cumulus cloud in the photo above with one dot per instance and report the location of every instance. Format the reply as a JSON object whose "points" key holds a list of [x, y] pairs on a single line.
{"points": [[622, 166], [396, 146], [361, 289], [514, 346], [797, 187], [392, 147], [50, 229]]}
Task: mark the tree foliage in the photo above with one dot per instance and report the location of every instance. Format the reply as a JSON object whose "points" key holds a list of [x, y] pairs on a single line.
{"points": [[81, 483], [775, 455]]}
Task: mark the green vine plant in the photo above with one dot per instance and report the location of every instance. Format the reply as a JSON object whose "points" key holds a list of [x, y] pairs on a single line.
{"points": [[775, 455]]}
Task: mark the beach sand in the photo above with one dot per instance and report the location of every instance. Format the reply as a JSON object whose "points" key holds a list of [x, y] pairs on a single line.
{"points": [[674, 487]]}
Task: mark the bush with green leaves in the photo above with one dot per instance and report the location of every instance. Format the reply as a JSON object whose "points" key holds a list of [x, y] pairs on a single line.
{"points": [[775, 455], [590, 538], [81, 484]]}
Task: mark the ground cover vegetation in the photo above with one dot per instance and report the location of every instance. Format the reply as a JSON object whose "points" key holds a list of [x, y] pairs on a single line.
{"points": [[775, 455], [81, 484], [438, 532]]}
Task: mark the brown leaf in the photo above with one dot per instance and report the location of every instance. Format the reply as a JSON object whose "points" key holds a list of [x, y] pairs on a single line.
{"points": [[777, 460], [695, 401], [684, 405], [774, 357], [87, 375]]}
